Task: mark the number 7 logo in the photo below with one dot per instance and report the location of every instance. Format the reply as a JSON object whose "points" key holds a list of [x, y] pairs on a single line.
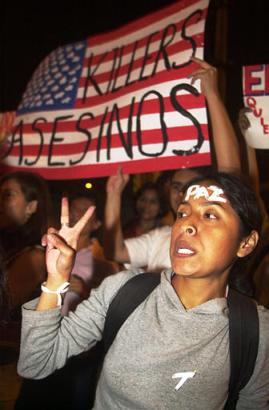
{"points": [[183, 376]]}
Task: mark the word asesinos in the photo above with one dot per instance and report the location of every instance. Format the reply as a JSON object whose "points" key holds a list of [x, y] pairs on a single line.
{"points": [[18, 137]]}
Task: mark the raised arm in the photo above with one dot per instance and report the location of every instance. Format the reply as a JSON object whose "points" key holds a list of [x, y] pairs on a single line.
{"points": [[253, 169], [113, 237], [224, 137], [60, 254]]}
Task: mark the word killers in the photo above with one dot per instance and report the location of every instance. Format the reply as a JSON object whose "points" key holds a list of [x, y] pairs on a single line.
{"points": [[128, 71]]}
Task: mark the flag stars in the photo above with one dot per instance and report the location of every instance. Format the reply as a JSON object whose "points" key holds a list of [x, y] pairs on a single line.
{"points": [[53, 83]]}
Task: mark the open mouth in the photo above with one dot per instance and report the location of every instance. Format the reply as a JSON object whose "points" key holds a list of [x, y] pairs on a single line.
{"points": [[183, 248], [185, 251]]}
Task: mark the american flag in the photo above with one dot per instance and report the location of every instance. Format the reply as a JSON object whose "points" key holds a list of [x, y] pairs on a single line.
{"points": [[118, 98]]}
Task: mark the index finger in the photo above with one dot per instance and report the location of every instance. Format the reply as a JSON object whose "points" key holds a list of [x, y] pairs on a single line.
{"points": [[84, 219], [64, 212], [201, 62]]}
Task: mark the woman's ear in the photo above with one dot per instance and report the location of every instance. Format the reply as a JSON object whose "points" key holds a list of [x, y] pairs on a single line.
{"points": [[31, 208], [248, 244]]}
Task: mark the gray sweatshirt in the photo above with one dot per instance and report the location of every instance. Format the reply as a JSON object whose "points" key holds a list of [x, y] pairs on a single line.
{"points": [[164, 356]]}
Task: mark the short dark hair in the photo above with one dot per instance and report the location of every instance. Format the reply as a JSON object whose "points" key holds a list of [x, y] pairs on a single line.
{"points": [[82, 195]]}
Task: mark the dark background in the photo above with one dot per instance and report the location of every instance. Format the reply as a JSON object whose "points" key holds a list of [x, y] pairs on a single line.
{"points": [[30, 30], [237, 33]]}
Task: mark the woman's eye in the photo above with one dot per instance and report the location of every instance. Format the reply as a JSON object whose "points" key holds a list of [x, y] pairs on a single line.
{"points": [[210, 215], [7, 195], [181, 214]]}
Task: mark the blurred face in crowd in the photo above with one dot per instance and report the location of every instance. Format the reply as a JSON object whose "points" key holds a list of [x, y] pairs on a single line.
{"points": [[78, 207], [148, 205], [14, 208], [179, 179]]}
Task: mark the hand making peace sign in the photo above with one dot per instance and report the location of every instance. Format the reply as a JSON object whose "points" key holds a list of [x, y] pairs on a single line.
{"points": [[61, 246]]}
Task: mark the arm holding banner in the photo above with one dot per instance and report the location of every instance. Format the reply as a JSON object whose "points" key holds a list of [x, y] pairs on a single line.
{"points": [[224, 137], [113, 239], [253, 170]]}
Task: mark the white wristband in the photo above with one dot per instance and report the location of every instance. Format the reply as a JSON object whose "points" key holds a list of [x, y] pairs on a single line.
{"points": [[62, 289]]}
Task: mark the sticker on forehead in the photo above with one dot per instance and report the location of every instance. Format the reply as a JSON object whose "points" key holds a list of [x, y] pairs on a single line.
{"points": [[212, 193]]}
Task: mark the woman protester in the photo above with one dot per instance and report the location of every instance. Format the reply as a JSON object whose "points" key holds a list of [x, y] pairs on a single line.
{"points": [[173, 351], [150, 207], [24, 212]]}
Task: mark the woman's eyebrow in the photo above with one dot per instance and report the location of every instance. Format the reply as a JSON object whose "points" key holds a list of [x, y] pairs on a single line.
{"points": [[184, 203], [210, 203], [204, 204]]}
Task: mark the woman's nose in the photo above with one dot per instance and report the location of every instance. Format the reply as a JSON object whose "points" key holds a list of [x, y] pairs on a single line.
{"points": [[190, 230]]}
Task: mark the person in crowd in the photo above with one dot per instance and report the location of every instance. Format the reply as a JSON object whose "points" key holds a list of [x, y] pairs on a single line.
{"points": [[180, 330], [152, 249], [150, 207], [90, 266], [24, 213]]}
